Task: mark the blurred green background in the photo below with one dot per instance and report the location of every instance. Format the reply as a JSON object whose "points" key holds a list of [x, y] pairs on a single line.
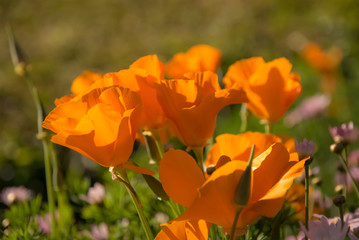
{"points": [[63, 38]]}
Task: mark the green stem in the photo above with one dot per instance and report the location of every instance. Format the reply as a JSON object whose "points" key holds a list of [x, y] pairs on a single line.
{"points": [[55, 165], [144, 221], [244, 118], [267, 127], [214, 232], [306, 195], [41, 133], [158, 144], [341, 213], [236, 217], [198, 151], [176, 212], [344, 162]]}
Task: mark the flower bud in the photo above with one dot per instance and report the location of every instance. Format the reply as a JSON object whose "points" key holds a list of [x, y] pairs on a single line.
{"points": [[317, 181], [17, 55], [210, 169], [244, 187], [339, 189], [337, 147], [151, 147], [338, 200], [156, 187]]}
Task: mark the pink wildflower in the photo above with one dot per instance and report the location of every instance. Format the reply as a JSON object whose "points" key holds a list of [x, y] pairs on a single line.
{"points": [[99, 232], [10, 195], [308, 108], [345, 133]]}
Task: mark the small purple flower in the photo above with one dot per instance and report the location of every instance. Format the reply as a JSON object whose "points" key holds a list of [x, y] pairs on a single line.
{"points": [[308, 108], [96, 194], [300, 236], [10, 195], [99, 232], [325, 228], [305, 148], [353, 221], [345, 133]]}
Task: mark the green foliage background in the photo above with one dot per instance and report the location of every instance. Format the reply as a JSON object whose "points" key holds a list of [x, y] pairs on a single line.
{"points": [[63, 38]]}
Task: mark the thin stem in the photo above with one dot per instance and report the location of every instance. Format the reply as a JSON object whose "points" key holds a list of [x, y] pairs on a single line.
{"points": [[267, 127], [49, 188], [55, 165], [158, 143], [244, 118], [306, 194], [341, 213], [344, 162], [47, 163], [198, 151], [144, 221], [20, 67], [236, 217], [176, 207]]}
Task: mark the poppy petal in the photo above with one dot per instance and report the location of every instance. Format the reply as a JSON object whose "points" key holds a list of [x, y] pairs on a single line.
{"points": [[180, 176]]}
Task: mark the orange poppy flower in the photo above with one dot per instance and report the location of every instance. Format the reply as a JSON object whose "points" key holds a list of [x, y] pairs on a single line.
{"points": [[81, 85], [323, 61], [238, 147], [270, 87], [84, 82], [199, 58], [100, 125], [139, 78], [212, 201], [192, 105], [185, 230]]}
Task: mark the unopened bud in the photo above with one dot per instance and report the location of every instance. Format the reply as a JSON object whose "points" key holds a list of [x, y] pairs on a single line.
{"points": [[210, 169], [317, 181], [339, 189], [337, 148], [338, 200], [17, 55], [156, 187], [151, 147], [244, 187]]}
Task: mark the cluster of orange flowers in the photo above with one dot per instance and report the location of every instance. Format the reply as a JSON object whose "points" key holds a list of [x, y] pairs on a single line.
{"points": [[107, 112]]}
